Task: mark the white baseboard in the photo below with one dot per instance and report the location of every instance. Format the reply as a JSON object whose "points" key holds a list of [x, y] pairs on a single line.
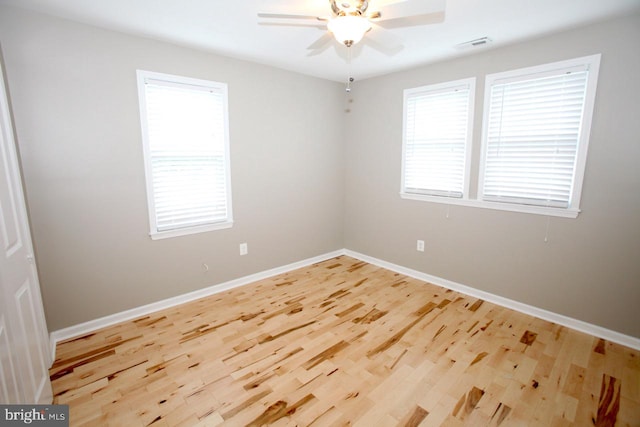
{"points": [[93, 325], [559, 319], [87, 327]]}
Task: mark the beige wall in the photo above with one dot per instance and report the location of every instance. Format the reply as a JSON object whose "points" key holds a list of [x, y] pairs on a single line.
{"points": [[590, 267], [75, 104]]}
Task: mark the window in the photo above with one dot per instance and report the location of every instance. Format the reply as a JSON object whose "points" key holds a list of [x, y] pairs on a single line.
{"points": [[436, 142], [536, 131], [535, 136], [186, 150]]}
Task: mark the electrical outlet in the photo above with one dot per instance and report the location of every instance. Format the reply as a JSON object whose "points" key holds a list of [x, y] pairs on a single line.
{"points": [[244, 249], [420, 246]]}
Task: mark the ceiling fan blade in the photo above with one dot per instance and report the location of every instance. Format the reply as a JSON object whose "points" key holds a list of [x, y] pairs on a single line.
{"points": [[317, 51], [406, 8], [387, 49], [320, 45], [412, 21], [383, 3], [323, 41], [294, 24], [288, 16], [383, 41]]}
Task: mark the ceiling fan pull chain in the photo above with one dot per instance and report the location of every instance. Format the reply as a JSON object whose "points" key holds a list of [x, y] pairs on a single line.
{"points": [[349, 84], [350, 80]]}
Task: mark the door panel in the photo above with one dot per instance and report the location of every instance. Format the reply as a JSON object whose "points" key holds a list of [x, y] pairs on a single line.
{"points": [[8, 218], [32, 350], [8, 387], [24, 353]]}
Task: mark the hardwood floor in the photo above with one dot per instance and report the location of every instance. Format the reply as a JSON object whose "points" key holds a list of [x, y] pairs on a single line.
{"points": [[339, 343]]}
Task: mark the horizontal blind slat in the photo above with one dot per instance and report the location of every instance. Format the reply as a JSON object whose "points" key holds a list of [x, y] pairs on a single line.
{"points": [[187, 150], [436, 132], [532, 138]]}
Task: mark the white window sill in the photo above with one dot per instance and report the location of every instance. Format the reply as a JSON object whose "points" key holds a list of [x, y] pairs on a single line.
{"points": [[157, 235], [537, 210]]}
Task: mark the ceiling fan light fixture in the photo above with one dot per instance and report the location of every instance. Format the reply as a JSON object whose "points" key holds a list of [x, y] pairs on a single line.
{"points": [[349, 29]]}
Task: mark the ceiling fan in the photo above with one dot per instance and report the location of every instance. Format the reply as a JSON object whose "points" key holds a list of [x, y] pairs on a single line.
{"points": [[349, 20]]}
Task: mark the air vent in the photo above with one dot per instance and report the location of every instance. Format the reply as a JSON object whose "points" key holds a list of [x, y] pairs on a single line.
{"points": [[483, 41]]}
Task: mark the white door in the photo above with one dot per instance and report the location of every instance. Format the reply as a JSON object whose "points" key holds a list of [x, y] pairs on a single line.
{"points": [[24, 341]]}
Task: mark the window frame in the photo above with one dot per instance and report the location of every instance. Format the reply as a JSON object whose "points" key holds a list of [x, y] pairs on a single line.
{"points": [[592, 64], [469, 82], [170, 79], [476, 201]]}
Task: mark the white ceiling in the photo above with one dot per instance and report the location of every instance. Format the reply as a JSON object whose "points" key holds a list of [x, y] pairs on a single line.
{"points": [[231, 28]]}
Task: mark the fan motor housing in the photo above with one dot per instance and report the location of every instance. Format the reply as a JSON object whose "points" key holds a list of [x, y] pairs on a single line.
{"points": [[352, 7]]}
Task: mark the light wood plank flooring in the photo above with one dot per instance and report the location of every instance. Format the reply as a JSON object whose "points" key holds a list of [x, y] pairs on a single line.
{"points": [[339, 343]]}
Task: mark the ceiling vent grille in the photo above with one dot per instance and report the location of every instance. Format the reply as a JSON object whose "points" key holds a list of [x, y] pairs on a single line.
{"points": [[483, 41]]}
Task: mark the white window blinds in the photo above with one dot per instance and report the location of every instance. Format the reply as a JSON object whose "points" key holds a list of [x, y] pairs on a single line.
{"points": [[437, 129], [532, 136], [186, 151]]}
